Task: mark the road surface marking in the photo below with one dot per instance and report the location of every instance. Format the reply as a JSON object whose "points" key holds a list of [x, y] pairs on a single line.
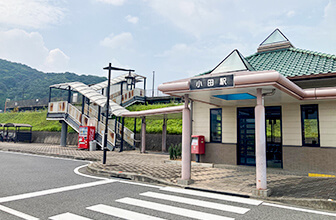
{"points": [[68, 216], [299, 209], [53, 191], [212, 195], [211, 205], [121, 213], [17, 213], [76, 170], [139, 184], [171, 209]]}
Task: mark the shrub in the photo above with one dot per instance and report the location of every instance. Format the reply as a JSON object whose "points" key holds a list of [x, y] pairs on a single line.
{"points": [[175, 151]]}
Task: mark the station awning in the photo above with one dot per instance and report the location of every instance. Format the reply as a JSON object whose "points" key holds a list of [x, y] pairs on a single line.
{"points": [[159, 113]]}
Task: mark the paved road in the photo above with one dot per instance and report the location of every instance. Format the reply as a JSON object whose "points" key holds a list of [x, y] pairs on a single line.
{"points": [[35, 187]]}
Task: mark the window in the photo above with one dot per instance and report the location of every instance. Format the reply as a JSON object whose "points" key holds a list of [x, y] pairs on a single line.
{"points": [[216, 125], [310, 125]]}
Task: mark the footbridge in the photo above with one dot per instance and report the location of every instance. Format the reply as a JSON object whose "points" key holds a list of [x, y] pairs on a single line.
{"points": [[91, 110]]}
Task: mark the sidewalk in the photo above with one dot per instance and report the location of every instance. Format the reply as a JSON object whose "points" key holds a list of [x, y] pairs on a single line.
{"points": [[155, 167]]}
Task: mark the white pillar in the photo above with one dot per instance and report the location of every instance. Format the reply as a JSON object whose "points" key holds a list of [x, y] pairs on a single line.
{"points": [[260, 142], [164, 135], [186, 148], [143, 135]]}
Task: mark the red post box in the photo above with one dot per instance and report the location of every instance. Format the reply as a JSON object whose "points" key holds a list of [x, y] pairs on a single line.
{"points": [[197, 144], [86, 134]]}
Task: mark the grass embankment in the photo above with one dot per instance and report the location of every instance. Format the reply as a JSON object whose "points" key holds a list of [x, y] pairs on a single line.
{"points": [[38, 120], [35, 118]]}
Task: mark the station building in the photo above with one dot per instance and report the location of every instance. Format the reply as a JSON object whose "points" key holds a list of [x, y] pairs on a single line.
{"points": [[276, 107]]}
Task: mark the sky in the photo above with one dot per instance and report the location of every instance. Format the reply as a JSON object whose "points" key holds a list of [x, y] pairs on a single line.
{"points": [[175, 38]]}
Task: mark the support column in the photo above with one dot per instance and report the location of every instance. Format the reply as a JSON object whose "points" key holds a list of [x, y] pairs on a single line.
{"points": [[122, 134], [69, 94], [186, 138], [143, 135], [164, 135], [50, 94], [64, 133], [260, 147], [134, 131]]}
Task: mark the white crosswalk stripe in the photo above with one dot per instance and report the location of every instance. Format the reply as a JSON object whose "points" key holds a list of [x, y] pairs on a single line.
{"points": [[68, 216], [195, 199], [171, 209], [121, 213], [212, 195], [197, 202]]}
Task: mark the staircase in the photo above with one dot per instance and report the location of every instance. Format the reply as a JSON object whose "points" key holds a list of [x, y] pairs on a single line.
{"points": [[75, 118]]}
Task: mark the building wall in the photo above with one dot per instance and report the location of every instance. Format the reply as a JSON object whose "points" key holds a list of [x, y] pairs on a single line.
{"points": [[291, 124], [309, 159], [229, 125], [219, 153], [201, 120], [327, 123]]}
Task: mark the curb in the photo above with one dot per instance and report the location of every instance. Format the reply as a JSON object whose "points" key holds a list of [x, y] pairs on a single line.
{"points": [[307, 203], [193, 164], [130, 176], [310, 203], [52, 155]]}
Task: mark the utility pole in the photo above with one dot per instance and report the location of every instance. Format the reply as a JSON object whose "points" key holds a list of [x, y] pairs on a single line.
{"points": [[153, 84]]}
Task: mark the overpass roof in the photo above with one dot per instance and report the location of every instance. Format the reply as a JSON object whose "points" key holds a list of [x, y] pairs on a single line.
{"points": [[93, 95]]}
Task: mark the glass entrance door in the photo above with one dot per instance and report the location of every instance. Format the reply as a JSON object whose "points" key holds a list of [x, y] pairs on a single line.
{"points": [[246, 136], [273, 137]]}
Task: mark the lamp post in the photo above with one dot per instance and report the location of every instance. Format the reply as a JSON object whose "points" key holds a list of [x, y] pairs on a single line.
{"points": [[107, 105], [130, 81]]}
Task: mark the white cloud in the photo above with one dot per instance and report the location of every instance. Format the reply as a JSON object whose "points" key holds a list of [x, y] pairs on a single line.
{"points": [[56, 61], [28, 48], [193, 16], [120, 41], [112, 2], [132, 19], [290, 14], [29, 13]]}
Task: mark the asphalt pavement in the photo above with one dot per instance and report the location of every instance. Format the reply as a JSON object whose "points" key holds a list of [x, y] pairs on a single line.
{"points": [[153, 167], [40, 187]]}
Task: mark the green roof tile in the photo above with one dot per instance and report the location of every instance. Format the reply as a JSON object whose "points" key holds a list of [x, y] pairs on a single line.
{"points": [[294, 62]]}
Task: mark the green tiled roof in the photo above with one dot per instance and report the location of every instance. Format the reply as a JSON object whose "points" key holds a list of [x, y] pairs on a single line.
{"points": [[293, 62]]}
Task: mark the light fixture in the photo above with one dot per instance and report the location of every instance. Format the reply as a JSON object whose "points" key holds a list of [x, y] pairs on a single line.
{"points": [[129, 80]]}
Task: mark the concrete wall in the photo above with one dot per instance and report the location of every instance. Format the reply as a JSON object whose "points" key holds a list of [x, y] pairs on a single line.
{"points": [[49, 137], [154, 141]]}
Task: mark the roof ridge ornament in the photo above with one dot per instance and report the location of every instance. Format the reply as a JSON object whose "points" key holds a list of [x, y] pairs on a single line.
{"points": [[234, 62], [275, 41]]}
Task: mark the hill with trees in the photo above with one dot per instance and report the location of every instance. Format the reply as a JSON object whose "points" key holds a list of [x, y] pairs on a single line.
{"points": [[21, 82]]}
